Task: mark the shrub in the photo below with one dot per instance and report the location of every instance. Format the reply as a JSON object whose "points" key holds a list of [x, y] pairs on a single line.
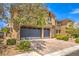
{"points": [[61, 37], [75, 35], [77, 40], [58, 36], [65, 38], [24, 46], [11, 41]]}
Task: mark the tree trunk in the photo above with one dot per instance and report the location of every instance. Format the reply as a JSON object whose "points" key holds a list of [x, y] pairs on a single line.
{"points": [[42, 33], [4, 38], [4, 35], [18, 33]]}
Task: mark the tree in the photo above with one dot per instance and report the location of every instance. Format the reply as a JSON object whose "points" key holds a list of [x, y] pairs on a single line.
{"points": [[72, 31], [29, 14], [5, 30], [41, 22]]}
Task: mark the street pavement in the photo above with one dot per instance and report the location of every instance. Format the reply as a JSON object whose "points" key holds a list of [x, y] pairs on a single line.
{"points": [[75, 53]]}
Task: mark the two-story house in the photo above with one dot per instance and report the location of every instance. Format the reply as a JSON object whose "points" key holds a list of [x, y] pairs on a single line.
{"points": [[31, 31], [61, 26]]}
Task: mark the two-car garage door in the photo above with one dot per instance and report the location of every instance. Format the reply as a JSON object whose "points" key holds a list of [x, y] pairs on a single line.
{"points": [[33, 32]]}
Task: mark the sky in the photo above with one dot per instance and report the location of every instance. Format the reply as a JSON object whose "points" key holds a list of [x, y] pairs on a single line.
{"points": [[65, 10], [60, 10], [7, 14], [2, 23]]}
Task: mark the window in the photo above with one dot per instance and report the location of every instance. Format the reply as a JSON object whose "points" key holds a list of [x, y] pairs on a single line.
{"points": [[49, 20], [58, 31]]}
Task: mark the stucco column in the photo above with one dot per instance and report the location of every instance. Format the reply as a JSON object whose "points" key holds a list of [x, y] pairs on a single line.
{"points": [[50, 35], [42, 33], [5, 38]]}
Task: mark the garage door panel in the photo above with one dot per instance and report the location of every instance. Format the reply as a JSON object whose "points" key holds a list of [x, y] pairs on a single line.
{"points": [[30, 32]]}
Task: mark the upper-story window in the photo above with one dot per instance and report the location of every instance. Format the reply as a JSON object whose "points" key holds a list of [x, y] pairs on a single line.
{"points": [[49, 20]]}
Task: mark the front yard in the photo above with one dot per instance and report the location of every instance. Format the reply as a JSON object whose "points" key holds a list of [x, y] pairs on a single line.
{"points": [[41, 47]]}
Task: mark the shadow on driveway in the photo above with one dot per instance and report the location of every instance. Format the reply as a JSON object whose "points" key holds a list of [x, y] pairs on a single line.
{"points": [[38, 46]]}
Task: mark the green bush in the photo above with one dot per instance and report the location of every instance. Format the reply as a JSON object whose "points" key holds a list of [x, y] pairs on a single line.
{"points": [[77, 40], [65, 38], [58, 36], [75, 35], [11, 41], [61, 37], [24, 46]]}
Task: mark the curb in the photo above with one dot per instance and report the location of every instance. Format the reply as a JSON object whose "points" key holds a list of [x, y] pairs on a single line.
{"points": [[64, 51], [28, 54]]}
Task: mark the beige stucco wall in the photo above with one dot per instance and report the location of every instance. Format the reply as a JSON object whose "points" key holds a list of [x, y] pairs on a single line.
{"points": [[53, 21], [63, 30]]}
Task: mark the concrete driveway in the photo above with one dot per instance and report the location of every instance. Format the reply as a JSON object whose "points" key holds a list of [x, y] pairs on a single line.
{"points": [[43, 47], [47, 46]]}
